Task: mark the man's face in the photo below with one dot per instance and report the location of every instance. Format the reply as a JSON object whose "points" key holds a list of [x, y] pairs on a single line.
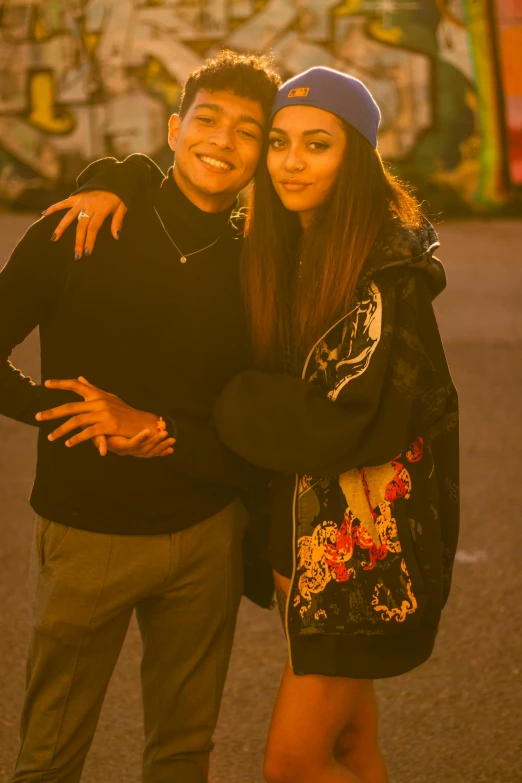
{"points": [[218, 144]]}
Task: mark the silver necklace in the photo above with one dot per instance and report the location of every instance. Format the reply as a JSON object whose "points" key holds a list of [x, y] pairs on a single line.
{"points": [[183, 256]]}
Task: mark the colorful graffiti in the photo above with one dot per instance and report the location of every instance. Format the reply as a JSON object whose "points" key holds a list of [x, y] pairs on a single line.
{"points": [[80, 79]]}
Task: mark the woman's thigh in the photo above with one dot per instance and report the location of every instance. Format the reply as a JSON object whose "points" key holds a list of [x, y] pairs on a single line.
{"points": [[360, 735], [313, 711]]}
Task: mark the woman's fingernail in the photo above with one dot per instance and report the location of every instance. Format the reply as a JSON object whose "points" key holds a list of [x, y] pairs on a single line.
{"points": [[86, 252], [44, 212], [53, 238], [50, 437], [118, 234], [76, 256], [38, 416], [67, 442]]}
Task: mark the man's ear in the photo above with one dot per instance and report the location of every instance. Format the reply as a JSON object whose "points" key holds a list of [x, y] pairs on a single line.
{"points": [[174, 123]]}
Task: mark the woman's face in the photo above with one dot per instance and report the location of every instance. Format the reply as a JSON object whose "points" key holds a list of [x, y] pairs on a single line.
{"points": [[306, 149]]}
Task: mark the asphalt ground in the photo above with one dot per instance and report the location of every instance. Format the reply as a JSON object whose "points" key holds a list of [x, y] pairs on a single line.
{"points": [[458, 718]]}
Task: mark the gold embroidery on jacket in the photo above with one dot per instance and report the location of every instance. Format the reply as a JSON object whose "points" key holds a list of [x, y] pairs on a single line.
{"points": [[396, 613], [369, 524]]}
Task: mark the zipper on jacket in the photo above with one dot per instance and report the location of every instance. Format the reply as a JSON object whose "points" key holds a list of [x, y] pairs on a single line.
{"points": [[296, 490]]}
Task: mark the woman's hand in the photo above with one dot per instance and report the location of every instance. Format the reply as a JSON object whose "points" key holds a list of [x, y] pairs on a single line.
{"points": [[103, 414], [98, 204]]}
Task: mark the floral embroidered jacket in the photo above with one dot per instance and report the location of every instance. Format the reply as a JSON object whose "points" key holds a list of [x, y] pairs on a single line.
{"points": [[370, 432]]}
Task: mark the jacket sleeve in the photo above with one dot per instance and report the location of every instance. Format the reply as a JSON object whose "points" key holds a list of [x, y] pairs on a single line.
{"points": [[199, 453], [30, 283], [125, 178], [291, 425]]}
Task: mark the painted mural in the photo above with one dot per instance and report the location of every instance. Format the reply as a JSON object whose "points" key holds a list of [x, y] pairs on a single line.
{"points": [[81, 79]]}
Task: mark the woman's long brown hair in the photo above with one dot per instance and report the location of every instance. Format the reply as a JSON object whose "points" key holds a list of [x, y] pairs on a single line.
{"points": [[296, 285]]}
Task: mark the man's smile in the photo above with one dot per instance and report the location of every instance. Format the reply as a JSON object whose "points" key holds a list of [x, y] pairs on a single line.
{"points": [[215, 164]]}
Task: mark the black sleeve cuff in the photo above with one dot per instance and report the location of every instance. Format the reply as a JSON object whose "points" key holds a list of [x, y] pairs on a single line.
{"points": [[172, 427]]}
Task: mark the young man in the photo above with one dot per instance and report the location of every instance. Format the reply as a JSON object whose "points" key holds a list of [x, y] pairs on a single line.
{"points": [[157, 319]]}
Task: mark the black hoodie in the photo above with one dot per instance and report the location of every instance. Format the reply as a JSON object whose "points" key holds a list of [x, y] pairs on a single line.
{"points": [[370, 432]]}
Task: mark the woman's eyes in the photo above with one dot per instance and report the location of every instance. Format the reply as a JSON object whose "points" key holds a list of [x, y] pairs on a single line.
{"points": [[313, 145]]}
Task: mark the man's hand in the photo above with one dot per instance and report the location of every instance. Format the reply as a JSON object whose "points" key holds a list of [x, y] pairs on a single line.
{"points": [[144, 444], [98, 204], [104, 414]]}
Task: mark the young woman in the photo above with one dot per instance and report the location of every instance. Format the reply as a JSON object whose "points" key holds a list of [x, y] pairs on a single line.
{"points": [[354, 408]]}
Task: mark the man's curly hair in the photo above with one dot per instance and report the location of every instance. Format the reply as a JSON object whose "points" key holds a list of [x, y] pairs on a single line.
{"points": [[248, 75]]}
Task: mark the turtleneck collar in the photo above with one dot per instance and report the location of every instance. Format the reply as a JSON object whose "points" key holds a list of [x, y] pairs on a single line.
{"points": [[184, 218]]}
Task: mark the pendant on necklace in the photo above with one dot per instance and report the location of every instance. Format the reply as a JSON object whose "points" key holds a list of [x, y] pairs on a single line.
{"points": [[183, 259]]}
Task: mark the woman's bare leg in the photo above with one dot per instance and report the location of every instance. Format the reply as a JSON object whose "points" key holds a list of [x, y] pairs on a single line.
{"points": [[310, 713], [357, 748], [321, 726]]}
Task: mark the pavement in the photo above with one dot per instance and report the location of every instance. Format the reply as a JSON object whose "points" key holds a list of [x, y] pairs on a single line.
{"points": [[458, 718]]}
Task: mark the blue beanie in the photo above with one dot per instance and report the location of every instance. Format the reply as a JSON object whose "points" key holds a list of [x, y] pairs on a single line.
{"points": [[335, 92]]}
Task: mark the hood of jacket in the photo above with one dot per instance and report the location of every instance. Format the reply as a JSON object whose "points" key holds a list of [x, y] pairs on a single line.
{"points": [[400, 246]]}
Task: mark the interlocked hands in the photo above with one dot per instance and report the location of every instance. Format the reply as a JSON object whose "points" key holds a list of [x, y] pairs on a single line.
{"points": [[108, 421]]}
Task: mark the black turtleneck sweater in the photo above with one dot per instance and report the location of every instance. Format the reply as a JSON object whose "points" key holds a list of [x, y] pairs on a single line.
{"points": [[162, 335]]}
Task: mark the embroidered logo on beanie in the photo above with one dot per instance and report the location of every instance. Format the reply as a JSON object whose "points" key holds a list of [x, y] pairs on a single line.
{"points": [[299, 92]]}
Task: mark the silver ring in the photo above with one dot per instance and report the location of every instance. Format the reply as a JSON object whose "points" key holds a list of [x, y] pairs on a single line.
{"points": [[83, 214]]}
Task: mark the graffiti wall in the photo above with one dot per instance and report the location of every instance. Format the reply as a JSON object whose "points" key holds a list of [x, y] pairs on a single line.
{"points": [[80, 79]]}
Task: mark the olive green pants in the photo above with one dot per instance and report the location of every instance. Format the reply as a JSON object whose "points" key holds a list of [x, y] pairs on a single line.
{"points": [[185, 588]]}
